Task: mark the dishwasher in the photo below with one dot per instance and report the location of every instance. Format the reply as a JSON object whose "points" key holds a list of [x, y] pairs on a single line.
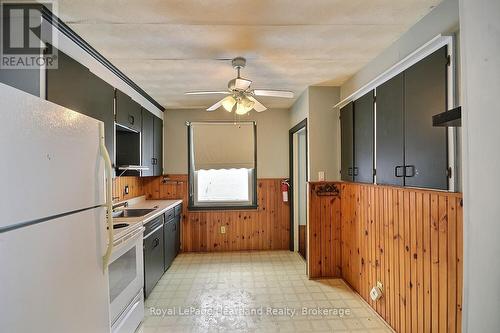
{"points": [[153, 244]]}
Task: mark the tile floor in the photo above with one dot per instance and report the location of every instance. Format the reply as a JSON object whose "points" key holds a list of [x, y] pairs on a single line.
{"points": [[265, 291]]}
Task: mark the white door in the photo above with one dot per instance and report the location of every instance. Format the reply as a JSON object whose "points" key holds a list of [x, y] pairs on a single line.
{"points": [[51, 275]]}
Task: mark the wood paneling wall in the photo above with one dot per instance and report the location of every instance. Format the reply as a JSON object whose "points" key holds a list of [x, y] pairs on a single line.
{"points": [[412, 241], [266, 228], [134, 185], [324, 239]]}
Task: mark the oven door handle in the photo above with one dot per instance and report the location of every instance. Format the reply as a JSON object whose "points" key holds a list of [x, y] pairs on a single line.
{"points": [[124, 320], [109, 197]]}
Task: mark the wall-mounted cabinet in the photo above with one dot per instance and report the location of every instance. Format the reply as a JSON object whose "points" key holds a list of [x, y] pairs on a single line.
{"points": [[347, 142], [128, 112], [73, 86], [152, 144], [426, 153], [410, 151], [356, 120], [390, 132], [363, 139]]}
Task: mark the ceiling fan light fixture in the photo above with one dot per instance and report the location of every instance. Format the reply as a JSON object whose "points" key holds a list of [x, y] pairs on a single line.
{"points": [[228, 103], [244, 106]]}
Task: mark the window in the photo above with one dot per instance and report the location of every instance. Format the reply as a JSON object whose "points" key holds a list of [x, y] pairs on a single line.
{"points": [[222, 165]]}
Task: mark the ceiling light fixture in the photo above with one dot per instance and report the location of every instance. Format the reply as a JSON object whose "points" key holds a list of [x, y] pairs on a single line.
{"points": [[244, 105], [228, 103]]}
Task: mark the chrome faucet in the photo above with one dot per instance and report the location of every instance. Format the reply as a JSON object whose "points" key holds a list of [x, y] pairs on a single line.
{"points": [[121, 204]]}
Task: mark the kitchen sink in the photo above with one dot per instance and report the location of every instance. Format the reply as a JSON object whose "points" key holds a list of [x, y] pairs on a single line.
{"points": [[131, 212]]}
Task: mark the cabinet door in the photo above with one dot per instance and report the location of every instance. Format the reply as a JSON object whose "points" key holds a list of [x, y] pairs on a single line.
{"points": [[153, 260], [169, 243], [177, 234], [426, 156], [363, 139], [147, 140], [73, 86], [158, 146], [346, 142], [27, 80], [128, 112], [390, 136]]}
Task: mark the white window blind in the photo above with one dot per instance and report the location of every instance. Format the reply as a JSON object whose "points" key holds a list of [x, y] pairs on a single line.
{"points": [[223, 145]]}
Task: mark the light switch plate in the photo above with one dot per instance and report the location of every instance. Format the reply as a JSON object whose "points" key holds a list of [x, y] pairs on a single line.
{"points": [[321, 176]]}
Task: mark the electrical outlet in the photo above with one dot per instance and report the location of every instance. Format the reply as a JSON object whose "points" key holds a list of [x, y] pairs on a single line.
{"points": [[380, 285], [222, 229], [126, 190]]}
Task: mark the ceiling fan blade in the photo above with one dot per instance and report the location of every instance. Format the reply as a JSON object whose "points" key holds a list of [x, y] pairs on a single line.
{"points": [[242, 84], [215, 106], [206, 93], [257, 105], [273, 93]]}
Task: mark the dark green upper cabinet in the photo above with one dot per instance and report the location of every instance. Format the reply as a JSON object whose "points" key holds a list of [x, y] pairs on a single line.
{"points": [[128, 112], [346, 130], [158, 146], [426, 156], [152, 144], [147, 142], [390, 134], [73, 86], [363, 138], [410, 151], [27, 80]]}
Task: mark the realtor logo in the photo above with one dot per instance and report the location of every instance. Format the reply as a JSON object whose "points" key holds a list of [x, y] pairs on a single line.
{"points": [[26, 39]]}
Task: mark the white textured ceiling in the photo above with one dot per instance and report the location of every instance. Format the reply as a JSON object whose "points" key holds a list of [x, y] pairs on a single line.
{"points": [[171, 46]]}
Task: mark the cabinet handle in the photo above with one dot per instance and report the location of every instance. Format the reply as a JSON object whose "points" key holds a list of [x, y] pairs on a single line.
{"points": [[131, 119], [356, 171], [412, 171], [399, 167], [349, 172], [156, 241]]}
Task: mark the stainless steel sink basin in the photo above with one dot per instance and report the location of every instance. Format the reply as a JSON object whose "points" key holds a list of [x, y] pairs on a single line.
{"points": [[131, 212]]}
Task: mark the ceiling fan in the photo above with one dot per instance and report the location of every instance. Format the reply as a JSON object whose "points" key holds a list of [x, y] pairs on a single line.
{"points": [[241, 98]]}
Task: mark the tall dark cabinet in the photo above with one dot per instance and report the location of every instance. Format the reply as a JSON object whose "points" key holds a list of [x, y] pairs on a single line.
{"points": [[147, 142], [410, 151], [363, 138], [73, 86], [390, 135], [426, 156], [152, 144], [347, 142], [158, 146]]}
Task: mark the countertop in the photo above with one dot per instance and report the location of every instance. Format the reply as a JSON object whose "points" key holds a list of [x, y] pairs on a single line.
{"points": [[136, 222]]}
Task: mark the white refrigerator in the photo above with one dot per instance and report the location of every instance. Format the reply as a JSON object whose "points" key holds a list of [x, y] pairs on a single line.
{"points": [[52, 218]]}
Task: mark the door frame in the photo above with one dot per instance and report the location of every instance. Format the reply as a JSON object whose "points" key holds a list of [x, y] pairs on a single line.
{"points": [[301, 125]]}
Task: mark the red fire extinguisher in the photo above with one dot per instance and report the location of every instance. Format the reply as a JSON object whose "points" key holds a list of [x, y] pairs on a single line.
{"points": [[285, 186]]}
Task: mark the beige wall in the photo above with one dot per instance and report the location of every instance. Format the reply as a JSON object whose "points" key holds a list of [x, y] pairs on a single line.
{"points": [[272, 139], [441, 20], [324, 133], [323, 129], [300, 109], [480, 46]]}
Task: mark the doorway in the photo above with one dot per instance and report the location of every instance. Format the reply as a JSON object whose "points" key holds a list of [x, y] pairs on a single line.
{"points": [[298, 183]]}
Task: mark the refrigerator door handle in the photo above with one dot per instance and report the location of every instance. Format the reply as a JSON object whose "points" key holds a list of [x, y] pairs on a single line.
{"points": [[109, 196]]}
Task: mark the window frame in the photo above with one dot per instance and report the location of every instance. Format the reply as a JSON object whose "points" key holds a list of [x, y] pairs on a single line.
{"points": [[226, 205]]}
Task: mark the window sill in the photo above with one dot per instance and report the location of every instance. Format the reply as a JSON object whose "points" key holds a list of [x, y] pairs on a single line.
{"points": [[211, 208]]}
